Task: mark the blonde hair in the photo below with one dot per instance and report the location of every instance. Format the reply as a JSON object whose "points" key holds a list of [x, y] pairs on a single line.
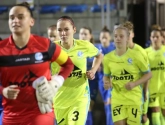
{"points": [[53, 27], [129, 25], [123, 28], [155, 27]]}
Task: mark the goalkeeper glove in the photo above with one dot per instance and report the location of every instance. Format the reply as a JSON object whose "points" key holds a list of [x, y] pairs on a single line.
{"points": [[48, 89], [44, 106]]}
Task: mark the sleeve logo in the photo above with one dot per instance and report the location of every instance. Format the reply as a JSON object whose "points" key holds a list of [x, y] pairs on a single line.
{"points": [[38, 56]]}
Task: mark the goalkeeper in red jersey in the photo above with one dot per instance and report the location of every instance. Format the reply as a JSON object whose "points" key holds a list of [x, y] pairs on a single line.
{"points": [[25, 62]]}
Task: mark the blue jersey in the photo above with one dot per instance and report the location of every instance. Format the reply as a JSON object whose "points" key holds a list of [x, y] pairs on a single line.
{"points": [[93, 84], [106, 94], [108, 49]]}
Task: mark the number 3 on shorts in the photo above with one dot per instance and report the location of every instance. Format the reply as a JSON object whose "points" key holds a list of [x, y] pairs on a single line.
{"points": [[76, 115]]}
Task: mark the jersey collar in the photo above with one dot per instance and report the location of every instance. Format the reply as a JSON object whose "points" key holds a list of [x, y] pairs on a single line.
{"points": [[74, 44], [11, 41]]}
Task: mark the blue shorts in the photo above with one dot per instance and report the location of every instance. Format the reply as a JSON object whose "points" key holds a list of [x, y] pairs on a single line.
{"points": [[105, 94], [93, 85]]}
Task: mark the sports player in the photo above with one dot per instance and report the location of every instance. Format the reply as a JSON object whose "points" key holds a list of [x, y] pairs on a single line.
{"points": [[136, 47], [106, 46], [53, 36], [156, 54], [71, 102], [52, 33], [86, 34], [121, 69], [24, 58]]}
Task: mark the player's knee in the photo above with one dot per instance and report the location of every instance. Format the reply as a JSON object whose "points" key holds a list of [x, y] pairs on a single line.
{"points": [[155, 109]]}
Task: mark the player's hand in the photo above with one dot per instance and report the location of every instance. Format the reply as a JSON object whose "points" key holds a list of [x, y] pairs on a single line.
{"points": [[130, 85], [11, 92], [42, 86], [48, 89], [90, 75], [107, 85], [44, 105]]}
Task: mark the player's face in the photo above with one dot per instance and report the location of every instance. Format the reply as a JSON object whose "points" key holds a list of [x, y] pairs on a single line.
{"points": [[105, 38], [52, 35], [120, 38], [65, 31], [156, 38], [20, 20], [84, 34]]}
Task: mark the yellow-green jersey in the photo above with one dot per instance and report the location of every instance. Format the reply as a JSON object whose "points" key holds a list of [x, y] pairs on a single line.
{"points": [[157, 65], [142, 51], [55, 68], [122, 70], [76, 85]]}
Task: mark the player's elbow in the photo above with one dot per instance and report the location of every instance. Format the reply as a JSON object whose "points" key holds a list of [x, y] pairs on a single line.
{"points": [[149, 75]]}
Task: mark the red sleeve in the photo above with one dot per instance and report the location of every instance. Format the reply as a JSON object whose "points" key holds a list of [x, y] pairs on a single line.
{"points": [[61, 57], [1, 88], [66, 68]]}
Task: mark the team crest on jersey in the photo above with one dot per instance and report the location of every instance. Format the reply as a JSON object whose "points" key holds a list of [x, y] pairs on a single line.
{"points": [[129, 60], [38, 57], [80, 54]]}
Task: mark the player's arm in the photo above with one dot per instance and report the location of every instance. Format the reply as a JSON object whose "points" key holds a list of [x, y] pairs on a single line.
{"points": [[93, 51], [63, 60], [145, 89], [107, 82], [107, 72], [144, 68], [96, 64], [48, 89]]}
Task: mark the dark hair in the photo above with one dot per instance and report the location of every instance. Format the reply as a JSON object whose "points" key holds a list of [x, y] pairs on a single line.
{"points": [[90, 31], [67, 18], [52, 27], [0, 38], [26, 5], [105, 29]]}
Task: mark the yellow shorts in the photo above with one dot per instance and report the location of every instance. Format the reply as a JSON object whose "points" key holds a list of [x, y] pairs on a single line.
{"points": [[154, 100], [73, 115], [131, 113], [145, 105], [162, 100]]}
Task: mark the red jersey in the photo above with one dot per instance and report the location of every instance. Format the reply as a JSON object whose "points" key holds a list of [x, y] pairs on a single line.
{"points": [[21, 67]]}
